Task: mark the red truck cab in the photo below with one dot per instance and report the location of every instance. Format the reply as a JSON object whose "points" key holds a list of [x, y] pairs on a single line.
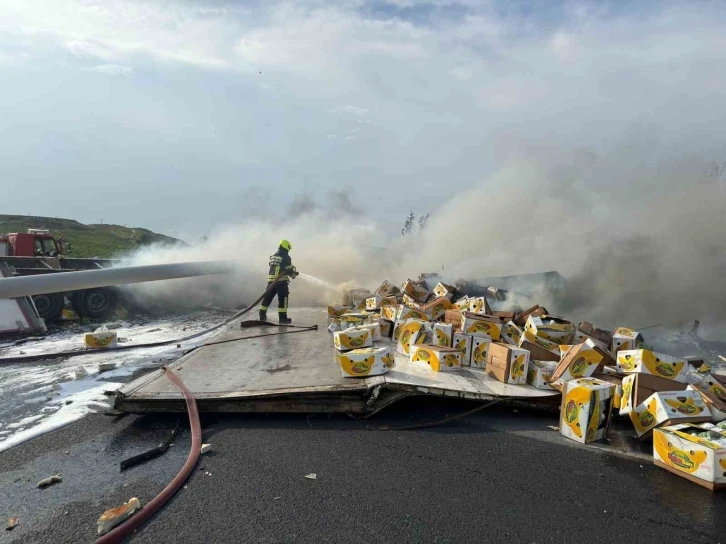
{"points": [[34, 243]]}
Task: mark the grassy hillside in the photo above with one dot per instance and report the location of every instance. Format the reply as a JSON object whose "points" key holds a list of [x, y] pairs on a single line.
{"points": [[103, 241]]}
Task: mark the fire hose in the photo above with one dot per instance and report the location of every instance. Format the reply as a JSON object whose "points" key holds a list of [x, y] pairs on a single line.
{"points": [[77, 353]]}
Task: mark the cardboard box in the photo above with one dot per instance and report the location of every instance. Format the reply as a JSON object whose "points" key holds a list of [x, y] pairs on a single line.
{"points": [[443, 290], [463, 342], [336, 311], [373, 303], [554, 329], [386, 328], [486, 326], [375, 329], [389, 313], [413, 332], [656, 364], [668, 408], [614, 380], [521, 318], [455, 317], [100, 340], [462, 304], [695, 452], [588, 330], [539, 348], [386, 289], [350, 320], [581, 361], [638, 387], [438, 358], [351, 294], [586, 409], [418, 292], [443, 334], [364, 362], [406, 312], [479, 305], [626, 339], [713, 392], [359, 304], [505, 316], [507, 363], [352, 339], [479, 351], [511, 333], [539, 374], [436, 309]]}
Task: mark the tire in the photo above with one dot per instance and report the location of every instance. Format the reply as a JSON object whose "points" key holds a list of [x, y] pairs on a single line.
{"points": [[50, 306], [95, 303]]}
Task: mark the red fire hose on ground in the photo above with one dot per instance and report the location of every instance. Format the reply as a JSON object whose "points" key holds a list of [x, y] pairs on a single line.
{"points": [[135, 521]]}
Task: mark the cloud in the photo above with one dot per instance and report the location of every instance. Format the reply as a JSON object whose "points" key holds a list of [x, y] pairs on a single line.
{"points": [[113, 69]]}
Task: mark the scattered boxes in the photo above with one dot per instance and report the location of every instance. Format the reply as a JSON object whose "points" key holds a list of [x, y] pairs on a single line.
{"points": [[521, 318], [656, 364], [443, 290], [581, 361], [374, 303], [361, 363], [436, 309], [713, 391], [336, 311], [438, 358], [626, 339], [463, 342], [507, 363], [418, 292], [586, 409], [351, 320], [386, 328], [511, 334], [540, 349], [539, 373], [479, 351], [694, 452], [554, 329], [352, 339], [406, 312], [390, 312], [482, 325], [375, 329], [412, 332], [638, 387], [587, 330], [386, 289], [668, 408], [443, 334], [100, 339], [462, 304], [479, 305]]}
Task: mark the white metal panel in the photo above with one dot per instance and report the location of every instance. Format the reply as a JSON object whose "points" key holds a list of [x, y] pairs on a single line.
{"points": [[11, 317]]}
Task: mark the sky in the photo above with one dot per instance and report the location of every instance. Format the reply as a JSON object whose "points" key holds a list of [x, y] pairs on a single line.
{"points": [[185, 116]]}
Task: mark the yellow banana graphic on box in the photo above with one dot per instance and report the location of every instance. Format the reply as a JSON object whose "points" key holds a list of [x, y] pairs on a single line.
{"points": [[574, 402], [685, 461], [685, 405], [451, 360], [441, 338], [655, 366], [389, 360], [518, 367], [644, 420], [360, 368]]}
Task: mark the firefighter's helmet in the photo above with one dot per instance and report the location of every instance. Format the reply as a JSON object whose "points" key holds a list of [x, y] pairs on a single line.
{"points": [[286, 245]]}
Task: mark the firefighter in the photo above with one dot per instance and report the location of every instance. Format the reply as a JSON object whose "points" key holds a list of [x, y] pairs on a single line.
{"points": [[281, 268]]}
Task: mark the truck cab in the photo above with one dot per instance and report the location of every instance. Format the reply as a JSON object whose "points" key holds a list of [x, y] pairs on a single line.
{"points": [[34, 243]]}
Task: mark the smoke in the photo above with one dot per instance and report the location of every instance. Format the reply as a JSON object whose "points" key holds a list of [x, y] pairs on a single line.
{"points": [[639, 241]]}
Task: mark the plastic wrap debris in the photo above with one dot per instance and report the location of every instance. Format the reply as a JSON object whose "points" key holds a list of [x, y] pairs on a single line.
{"points": [[115, 516]]}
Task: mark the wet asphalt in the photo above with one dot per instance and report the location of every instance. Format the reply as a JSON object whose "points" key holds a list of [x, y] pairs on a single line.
{"points": [[495, 476]]}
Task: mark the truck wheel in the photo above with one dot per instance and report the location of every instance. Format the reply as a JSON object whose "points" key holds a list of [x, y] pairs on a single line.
{"points": [[50, 306], [95, 303]]}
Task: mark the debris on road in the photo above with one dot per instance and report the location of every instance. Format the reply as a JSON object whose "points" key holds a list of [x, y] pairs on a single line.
{"points": [[12, 523], [51, 480], [311, 476], [150, 454], [105, 367], [115, 516], [205, 448], [101, 338]]}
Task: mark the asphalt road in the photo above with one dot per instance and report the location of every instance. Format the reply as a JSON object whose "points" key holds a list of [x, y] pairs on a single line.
{"points": [[496, 476]]}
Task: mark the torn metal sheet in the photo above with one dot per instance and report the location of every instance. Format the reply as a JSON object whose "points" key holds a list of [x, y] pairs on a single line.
{"points": [[298, 373]]}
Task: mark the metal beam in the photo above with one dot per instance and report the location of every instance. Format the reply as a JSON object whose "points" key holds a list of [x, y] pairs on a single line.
{"points": [[22, 286]]}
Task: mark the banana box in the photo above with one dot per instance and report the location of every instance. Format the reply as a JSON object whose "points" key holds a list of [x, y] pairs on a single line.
{"points": [[521, 318], [412, 332], [386, 328], [436, 309], [713, 392], [359, 304], [554, 329], [100, 340], [479, 305], [438, 358], [587, 330], [443, 334], [336, 311], [334, 325], [417, 292], [351, 294], [348, 321], [375, 329], [463, 342], [638, 387], [353, 338], [668, 408], [511, 333], [581, 361], [626, 339], [486, 326], [695, 452], [386, 289], [506, 363], [364, 362], [539, 374], [389, 313], [443, 290], [586, 409], [411, 302], [373, 303], [617, 382], [656, 364], [462, 304], [479, 351], [539, 348], [406, 312]]}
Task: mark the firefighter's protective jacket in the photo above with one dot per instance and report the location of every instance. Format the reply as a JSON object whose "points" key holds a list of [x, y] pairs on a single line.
{"points": [[280, 263]]}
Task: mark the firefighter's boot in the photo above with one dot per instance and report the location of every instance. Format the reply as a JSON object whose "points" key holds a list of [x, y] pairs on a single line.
{"points": [[284, 320], [263, 315]]}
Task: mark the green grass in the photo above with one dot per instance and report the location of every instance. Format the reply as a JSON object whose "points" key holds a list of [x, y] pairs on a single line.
{"points": [[104, 241]]}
